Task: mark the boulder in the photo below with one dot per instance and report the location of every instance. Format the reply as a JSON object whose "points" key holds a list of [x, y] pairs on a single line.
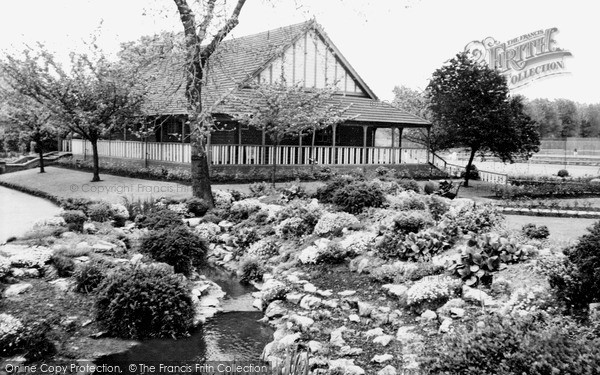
{"points": [[477, 296], [382, 358], [383, 340], [428, 316], [387, 370], [294, 297], [396, 290], [374, 332], [310, 302], [364, 309], [275, 310], [348, 351], [354, 318], [346, 366], [310, 288], [445, 326], [304, 322], [347, 293], [16, 289], [316, 347], [336, 338], [309, 255]]}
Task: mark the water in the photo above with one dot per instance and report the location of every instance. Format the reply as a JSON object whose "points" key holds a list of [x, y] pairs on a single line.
{"points": [[231, 335], [19, 211]]}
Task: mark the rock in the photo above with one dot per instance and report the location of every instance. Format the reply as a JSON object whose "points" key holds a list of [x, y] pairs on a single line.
{"points": [[303, 322], [275, 310], [383, 340], [331, 303], [31, 272], [397, 290], [89, 228], [428, 315], [310, 288], [137, 258], [347, 293], [336, 338], [322, 243], [68, 234], [273, 289], [346, 351], [451, 304], [480, 324], [17, 289], [382, 358], [380, 318], [225, 225], [294, 297], [445, 326], [82, 245], [346, 366], [193, 222], [395, 317], [17, 273], [288, 340], [258, 303], [103, 247], [210, 302], [374, 332], [315, 347], [325, 293], [387, 370], [228, 257], [457, 312], [477, 296], [354, 318], [364, 309], [310, 302]]}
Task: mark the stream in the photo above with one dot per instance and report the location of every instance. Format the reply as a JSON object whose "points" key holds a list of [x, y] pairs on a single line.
{"points": [[233, 334]]}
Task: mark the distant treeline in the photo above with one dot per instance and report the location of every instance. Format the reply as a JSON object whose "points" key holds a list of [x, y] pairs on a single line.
{"points": [[561, 118]]}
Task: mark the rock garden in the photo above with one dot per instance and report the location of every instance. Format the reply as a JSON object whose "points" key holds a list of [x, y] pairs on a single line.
{"points": [[365, 276]]}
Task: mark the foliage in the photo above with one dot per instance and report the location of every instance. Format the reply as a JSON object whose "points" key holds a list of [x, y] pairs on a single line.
{"points": [[90, 275], [30, 340], [563, 173], [429, 188], [473, 173], [545, 187], [264, 249], [259, 189], [437, 206], [331, 223], [356, 196], [77, 204], [250, 269], [74, 220], [537, 232], [421, 245], [158, 219], [143, 302], [469, 218], [65, 266], [511, 345], [431, 292], [100, 212], [406, 202], [292, 227], [176, 246], [325, 193], [411, 222], [292, 191], [333, 254], [484, 254], [471, 107], [409, 185], [308, 212]]}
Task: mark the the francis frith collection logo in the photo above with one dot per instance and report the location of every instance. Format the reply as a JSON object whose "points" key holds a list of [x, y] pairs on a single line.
{"points": [[523, 59]]}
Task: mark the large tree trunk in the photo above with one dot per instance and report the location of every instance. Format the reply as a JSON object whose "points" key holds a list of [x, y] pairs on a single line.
{"points": [[201, 187], [467, 173], [41, 152], [96, 161]]}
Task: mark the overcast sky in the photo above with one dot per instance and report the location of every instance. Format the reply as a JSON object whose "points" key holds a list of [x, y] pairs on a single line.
{"points": [[388, 42]]}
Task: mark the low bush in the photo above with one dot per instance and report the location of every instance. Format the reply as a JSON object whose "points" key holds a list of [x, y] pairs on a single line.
{"points": [[411, 222], [250, 269], [100, 212], [158, 219], [65, 266], [533, 231], [332, 223], [412, 246], [90, 275], [437, 206], [431, 292], [510, 346], [409, 185], [430, 188], [196, 206], [176, 246], [264, 249], [473, 173], [471, 218], [333, 254], [245, 236], [143, 302], [355, 197], [325, 193], [76, 204], [74, 219], [563, 173]]}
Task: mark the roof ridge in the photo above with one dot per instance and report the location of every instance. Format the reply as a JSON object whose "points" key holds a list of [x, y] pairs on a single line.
{"points": [[308, 22]]}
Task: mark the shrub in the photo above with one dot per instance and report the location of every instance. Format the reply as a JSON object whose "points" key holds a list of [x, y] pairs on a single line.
{"points": [[309, 212], [259, 189], [325, 193], [578, 283], [382, 171], [120, 214], [264, 249], [74, 220], [407, 202], [412, 246], [532, 231], [76, 204], [196, 206], [30, 340], [250, 270], [65, 266], [563, 173], [409, 185], [159, 218], [431, 292], [177, 246], [509, 345], [475, 218], [144, 302], [333, 254], [411, 222], [331, 223], [473, 173], [292, 227], [429, 188], [437, 206], [100, 212], [90, 275], [353, 198]]}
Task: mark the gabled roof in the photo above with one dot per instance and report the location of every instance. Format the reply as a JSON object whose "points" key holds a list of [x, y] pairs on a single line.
{"points": [[239, 60]]}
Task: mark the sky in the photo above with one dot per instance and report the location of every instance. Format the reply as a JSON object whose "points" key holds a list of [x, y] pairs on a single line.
{"points": [[388, 42]]}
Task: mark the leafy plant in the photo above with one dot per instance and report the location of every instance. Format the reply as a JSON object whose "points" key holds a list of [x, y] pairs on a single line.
{"points": [[65, 266], [533, 231], [74, 219], [196, 206], [333, 254], [563, 173], [90, 275], [177, 246], [158, 219], [353, 198], [100, 212], [250, 269], [143, 302]]}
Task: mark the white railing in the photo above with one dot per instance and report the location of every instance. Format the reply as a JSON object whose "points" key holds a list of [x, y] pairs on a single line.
{"points": [[251, 154]]}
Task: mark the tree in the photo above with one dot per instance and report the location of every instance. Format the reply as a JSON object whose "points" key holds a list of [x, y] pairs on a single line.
{"points": [[283, 110], [414, 102], [469, 101], [568, 116], [92, 98], [544, 113], [197, 57], [31, 120]]}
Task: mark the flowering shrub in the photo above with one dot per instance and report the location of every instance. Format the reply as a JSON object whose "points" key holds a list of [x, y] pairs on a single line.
{"points": [[432, 291], [533, 231], [179, 208], [524, 301], [296, 211], [411, 222], [333, 222], [292, 227], [358, 242], [334, 253], [263, 249], [437, 206], [208, 230], [223, 199], [406, 201], [469, 218], [158, 219], [409, 185], [246, 207], [412, 246]]}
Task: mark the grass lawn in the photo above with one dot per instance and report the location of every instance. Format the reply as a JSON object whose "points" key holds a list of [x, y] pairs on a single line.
{"points": [[68, 183], [561, 229]]}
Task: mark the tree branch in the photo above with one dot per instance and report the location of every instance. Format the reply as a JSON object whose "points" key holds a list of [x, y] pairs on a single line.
{"points": [[229, 25]]}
